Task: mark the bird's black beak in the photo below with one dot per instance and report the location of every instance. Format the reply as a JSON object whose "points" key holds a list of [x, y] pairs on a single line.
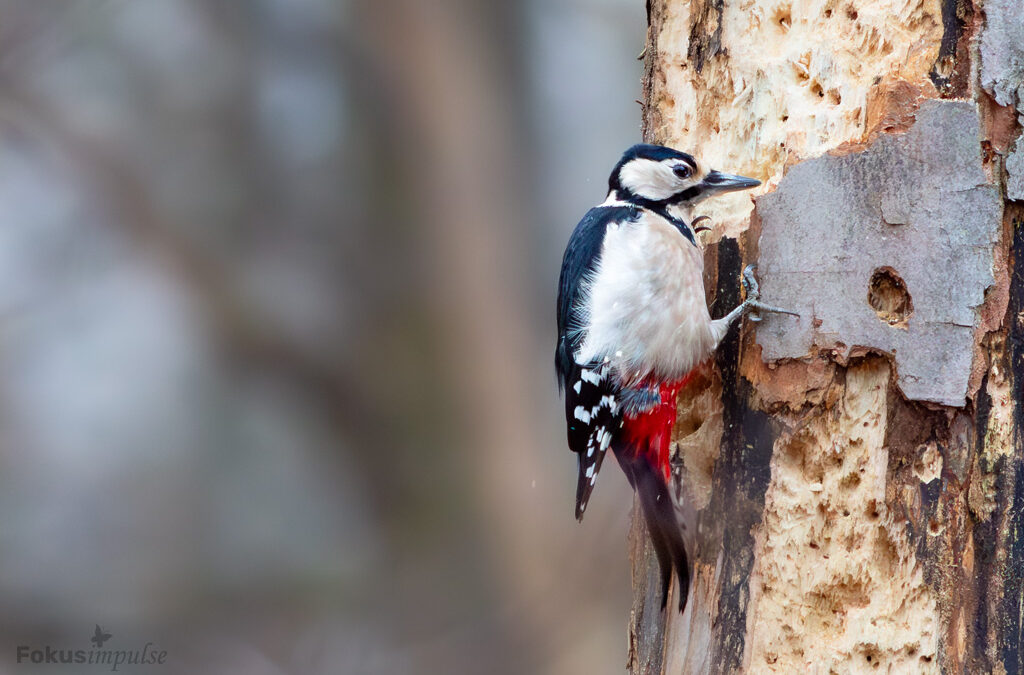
{"points": [[717, 182]]}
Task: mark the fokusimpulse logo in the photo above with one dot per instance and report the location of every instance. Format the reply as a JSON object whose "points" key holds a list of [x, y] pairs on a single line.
{"points": [[149, 655]]}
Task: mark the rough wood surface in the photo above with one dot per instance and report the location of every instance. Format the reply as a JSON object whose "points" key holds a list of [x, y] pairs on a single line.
{"points": [[857, 482]]}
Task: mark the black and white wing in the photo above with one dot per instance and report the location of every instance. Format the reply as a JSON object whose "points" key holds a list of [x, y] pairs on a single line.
{"points": [[592, 410]]}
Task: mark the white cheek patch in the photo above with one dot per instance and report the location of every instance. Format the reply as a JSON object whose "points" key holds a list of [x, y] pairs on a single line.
{"points": [[648, 179], [653, 180]]}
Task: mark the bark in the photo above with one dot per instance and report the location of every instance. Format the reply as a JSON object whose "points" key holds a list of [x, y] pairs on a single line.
{"points": [[857, 475]]}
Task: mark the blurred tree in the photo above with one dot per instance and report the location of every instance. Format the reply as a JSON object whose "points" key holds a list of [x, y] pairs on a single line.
{"points": [[277, 289]]}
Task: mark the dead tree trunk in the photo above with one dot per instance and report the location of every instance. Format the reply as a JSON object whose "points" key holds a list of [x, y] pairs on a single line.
{"points": [[857, 475]]}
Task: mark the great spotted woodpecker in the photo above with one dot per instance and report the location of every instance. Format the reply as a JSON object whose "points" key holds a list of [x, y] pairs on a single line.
{"points": [[633, 324]]}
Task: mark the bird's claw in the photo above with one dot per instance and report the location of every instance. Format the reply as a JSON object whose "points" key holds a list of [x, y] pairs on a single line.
{"points": [[750, 282], [753, 303], [758, 306]]}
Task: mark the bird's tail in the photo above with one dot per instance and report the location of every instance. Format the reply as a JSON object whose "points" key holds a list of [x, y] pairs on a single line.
{"points": [[662, 519], [643, 451]]}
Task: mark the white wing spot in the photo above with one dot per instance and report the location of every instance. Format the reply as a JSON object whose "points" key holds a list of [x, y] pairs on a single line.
{"points": [[591, 376], [576, 387], [581, 414]]}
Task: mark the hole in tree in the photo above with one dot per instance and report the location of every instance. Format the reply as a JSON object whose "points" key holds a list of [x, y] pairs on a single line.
{"points": [[783, 18], [888, 296]]}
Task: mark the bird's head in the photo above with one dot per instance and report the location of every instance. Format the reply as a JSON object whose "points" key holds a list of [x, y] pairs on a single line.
{"points": [[658, 177]]}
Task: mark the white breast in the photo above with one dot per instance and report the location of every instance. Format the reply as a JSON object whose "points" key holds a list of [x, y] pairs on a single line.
{"points": [[644, 308]]}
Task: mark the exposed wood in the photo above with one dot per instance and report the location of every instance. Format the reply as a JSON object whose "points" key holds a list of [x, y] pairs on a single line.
{"points": [[856, 477]]}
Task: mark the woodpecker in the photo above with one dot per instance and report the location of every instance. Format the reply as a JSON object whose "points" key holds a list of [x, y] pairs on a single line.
{"points": [[633, 324]]}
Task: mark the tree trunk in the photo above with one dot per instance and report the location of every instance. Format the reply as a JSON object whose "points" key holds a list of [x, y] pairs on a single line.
{"points": [[856, 475]]}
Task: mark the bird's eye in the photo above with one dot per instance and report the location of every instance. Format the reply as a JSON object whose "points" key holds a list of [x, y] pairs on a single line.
{"points": [[682, 171]]}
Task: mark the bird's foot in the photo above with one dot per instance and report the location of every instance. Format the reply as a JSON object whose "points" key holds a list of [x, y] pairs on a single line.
{"points": [[750, 282], [635, 401], [753, 305]]}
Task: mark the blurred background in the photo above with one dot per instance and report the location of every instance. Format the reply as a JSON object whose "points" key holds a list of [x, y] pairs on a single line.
{"points": [[277, 285]]}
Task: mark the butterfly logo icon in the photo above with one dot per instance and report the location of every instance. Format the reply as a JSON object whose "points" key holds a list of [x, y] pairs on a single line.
{"points": [[100, 637]]}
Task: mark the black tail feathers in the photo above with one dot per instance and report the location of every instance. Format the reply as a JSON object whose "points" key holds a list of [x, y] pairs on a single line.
{"points": [[586, 472], [663, 523]]}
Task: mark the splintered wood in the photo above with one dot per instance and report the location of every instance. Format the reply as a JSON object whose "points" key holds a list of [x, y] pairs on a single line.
{"points": [[758, 85], [835, 578]]}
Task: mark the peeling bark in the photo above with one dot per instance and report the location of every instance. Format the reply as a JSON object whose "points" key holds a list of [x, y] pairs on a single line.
{"points": [[856, 477]]}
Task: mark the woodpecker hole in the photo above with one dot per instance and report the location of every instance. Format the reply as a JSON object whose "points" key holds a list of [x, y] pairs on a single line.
{"points": [[783, 18], [888, 296]]}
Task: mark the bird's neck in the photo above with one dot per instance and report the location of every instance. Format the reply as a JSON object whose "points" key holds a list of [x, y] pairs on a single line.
{"points": [[680, 215], [680, 218]]}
